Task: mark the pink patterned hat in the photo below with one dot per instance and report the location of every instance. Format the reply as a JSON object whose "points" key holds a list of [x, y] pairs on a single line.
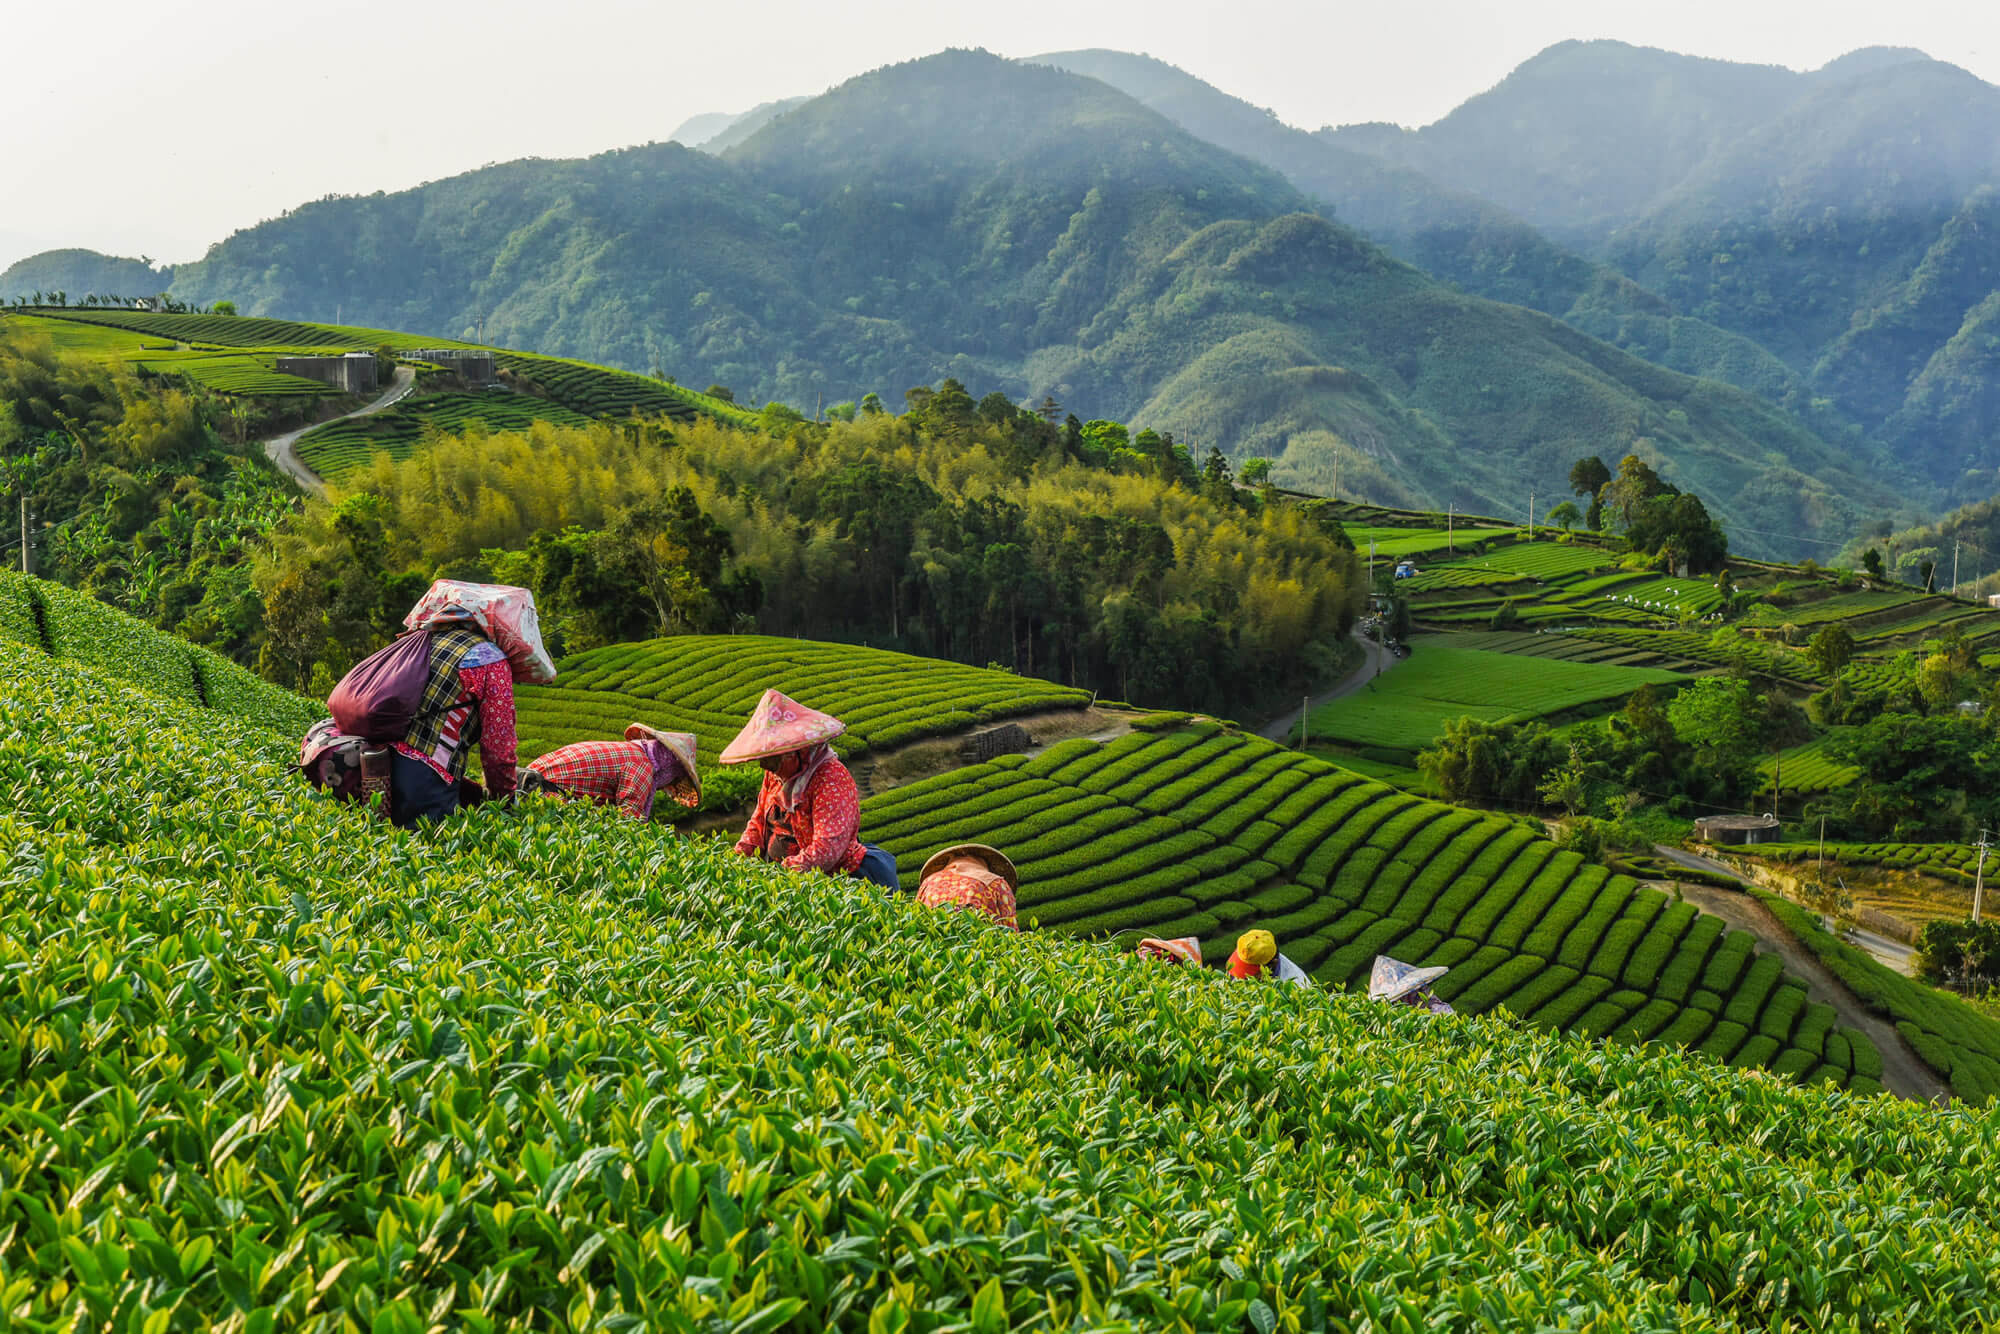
{"points": [[779, 724]]}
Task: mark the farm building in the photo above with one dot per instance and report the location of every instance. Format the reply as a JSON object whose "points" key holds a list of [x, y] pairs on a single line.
{"points": [[353, 372], [1737, 829], [469, 365]]}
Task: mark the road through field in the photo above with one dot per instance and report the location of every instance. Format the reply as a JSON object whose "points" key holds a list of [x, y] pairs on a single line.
{"points": [[279, 447], [1902, 1072], [1374, 661]]}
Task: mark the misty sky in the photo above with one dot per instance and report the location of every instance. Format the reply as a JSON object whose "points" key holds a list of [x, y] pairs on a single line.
{"points": [[158, 127]]}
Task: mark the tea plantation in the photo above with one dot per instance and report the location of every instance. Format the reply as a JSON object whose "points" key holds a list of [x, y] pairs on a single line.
{"points": [[232, 354], [1198, 830], [269, 1063], [1407, 709]]}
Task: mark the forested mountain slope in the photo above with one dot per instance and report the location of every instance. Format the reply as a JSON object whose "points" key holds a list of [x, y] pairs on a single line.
{"points": [[1028, 228], [1838, 218], [1454, 234]]}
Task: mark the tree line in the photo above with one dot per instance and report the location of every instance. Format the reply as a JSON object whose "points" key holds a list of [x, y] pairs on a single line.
{"points": [[973, 530]]}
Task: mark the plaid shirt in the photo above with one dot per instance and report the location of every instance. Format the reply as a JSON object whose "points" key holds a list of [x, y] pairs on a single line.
{"points": [[465, 670], [616, 773]]}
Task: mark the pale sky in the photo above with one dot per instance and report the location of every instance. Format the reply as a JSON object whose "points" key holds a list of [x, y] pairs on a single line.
{"points": [[160, 126]]}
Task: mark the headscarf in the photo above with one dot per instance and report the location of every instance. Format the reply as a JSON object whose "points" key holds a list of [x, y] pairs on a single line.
{"points": [[666, 764], [791, 791]]}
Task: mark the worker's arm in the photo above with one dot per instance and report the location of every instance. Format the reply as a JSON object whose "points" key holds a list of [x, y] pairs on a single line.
{"points": [[493, 686], [752, 842], [836, 813]]}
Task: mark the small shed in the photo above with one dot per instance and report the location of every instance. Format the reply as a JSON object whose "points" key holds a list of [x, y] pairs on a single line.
{"points": [[1737, 829]]}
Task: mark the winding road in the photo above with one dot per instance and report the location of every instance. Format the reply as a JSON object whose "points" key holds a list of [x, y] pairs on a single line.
{"points": [[279, 447], [1374, 661], [1902, 1072]]}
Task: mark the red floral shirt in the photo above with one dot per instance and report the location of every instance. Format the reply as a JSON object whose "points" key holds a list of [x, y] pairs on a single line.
{"points": [[955, 889], [818, 833]]}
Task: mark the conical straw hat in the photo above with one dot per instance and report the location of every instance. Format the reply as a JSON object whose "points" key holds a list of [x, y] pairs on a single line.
{"points": [[778, 724], [686, 788], [1392, 979], [995, 861]]}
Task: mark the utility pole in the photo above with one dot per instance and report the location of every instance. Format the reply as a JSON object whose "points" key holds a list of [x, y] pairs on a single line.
{"points": [[1954, 567], [1531, 516], [27, 551], [1450, 513], [1979, 876], [1305, 701], [1822, 849]]}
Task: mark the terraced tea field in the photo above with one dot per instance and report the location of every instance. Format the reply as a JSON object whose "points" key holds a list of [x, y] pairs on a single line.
{"points": [[707, 684], [343, 446], [1406, 709], [224, 371], [585, 389], [1199, 830], [82, 631], [548, 1067], [1807, 769]]}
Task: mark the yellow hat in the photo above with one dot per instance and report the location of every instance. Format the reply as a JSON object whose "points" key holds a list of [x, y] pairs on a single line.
{"points": [[1258, 947]]}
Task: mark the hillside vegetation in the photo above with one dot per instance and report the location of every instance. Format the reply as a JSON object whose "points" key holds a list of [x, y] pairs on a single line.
{"points": [[550, 1064], [1834, 218], [1025, 227]]}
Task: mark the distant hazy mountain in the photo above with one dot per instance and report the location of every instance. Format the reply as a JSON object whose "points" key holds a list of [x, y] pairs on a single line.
{"points": [[1031, 230], [715, 131], [1840, 219], [77, 273], [1454, 234]]}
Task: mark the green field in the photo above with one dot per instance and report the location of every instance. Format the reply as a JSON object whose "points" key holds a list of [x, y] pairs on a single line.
{"points": [[707, 684], [585, 389], [82, 631], [1399, 542], [1807, 768], [227, 372], [340, 447], [1407, 707], [1198, 830], [273, 1064]]}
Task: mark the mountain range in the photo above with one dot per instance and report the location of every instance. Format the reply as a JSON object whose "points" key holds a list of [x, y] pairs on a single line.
{"points": [[1449, 314]]}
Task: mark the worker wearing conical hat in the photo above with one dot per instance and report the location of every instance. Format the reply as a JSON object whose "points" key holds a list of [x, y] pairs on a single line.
{"points": [[808, 808], [971, 877], [628, 774], [1256, 955]]}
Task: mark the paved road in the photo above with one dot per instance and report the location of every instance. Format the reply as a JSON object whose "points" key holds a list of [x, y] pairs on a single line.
{"points": [[1374, 661], [280, 450], [1902, 1072], [1889, 953]]}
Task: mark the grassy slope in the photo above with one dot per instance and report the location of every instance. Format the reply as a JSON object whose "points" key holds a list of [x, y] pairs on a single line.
{"points": [[554, 1067], [1407, 708]]}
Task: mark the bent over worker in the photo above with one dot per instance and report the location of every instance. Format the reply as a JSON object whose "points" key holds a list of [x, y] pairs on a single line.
{"points": [[1256, 955], [973, 877], [628, 774], [808, 808]]}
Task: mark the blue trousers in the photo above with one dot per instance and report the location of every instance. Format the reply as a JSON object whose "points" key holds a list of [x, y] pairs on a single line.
{"points": [[416, 793], [878, 867]]}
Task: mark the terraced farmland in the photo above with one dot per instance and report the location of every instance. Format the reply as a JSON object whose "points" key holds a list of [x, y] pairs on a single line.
{"points": [[1406, 709], [582, 388], [1807, 769], [1394, 543], [223, 371], [1200, 830], [82, 631], [343, 446], [550, 1068], [707, 684]]}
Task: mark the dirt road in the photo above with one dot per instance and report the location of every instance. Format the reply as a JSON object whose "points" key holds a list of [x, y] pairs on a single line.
{"points": [[1902, 1073], [279, 448], [1374, 661], [1893, 954]]}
